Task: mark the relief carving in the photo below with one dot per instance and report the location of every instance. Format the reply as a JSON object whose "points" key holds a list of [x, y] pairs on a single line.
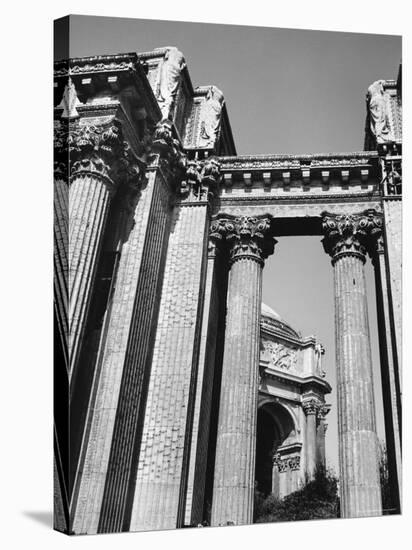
{"points": [[286, 463], [280, 356]]}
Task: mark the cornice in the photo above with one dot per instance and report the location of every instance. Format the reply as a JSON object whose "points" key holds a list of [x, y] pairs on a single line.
{"points": [[303, 383], [302, 199], [127, 64], [95, 64]]}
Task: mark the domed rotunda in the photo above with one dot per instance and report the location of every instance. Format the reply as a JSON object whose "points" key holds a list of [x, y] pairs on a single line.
{"points": [[291, 426]]}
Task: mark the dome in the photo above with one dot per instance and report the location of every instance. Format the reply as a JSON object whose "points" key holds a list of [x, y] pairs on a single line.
{"points": [[269, 312], [272, 318]]}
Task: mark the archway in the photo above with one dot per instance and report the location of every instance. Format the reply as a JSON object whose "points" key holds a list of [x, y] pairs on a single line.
{"points": [[275, 429]]}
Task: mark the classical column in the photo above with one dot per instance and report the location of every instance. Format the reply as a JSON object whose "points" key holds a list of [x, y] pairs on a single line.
{"points": [[98, 163], [391, 391], [346, 239], [107, 467], [311, 408], [196, 482], [161, 477], [320, 435], [60, 253], [235, 451]]}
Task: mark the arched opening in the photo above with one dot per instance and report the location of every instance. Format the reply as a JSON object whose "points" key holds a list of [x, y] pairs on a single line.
{"points": [[275, 429]]}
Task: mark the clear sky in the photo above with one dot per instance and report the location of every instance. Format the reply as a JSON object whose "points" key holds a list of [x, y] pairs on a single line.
{"points": [[286, 91]]}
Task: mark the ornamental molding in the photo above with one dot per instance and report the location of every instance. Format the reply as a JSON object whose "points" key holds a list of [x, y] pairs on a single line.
{"points": [[286, 463], [298, 162], [95, 64], [247, 236], [97, 150], [351, 234]]}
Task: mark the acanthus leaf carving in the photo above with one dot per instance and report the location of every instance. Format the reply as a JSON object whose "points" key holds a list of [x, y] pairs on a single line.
{"points": [[247, 236], [351, 234], [286, 463], [99, 150]]}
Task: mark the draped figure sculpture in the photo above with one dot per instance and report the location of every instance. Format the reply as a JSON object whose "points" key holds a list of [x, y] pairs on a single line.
{"points": [[170, 71], [378, 114], [211, 115]]}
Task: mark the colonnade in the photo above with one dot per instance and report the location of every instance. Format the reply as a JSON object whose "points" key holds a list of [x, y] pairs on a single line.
{"points": [[347, 238], [249, 240]]}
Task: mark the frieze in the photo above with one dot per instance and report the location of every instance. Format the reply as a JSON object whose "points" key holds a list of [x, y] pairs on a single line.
{"points": [[297, 162], [286, 463], [95, 64], [281, 357]]}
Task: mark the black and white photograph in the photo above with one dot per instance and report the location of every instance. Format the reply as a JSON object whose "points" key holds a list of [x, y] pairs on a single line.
{"points": [[227, 275], [209, 306]]}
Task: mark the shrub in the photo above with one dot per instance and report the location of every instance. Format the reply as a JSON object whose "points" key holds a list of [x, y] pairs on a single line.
{"points": [[317, 499]]}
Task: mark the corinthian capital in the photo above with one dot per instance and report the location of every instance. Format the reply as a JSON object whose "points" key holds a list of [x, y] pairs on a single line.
{"points": [[351, 234], [99, 150], [247, 236], [311, 406]]}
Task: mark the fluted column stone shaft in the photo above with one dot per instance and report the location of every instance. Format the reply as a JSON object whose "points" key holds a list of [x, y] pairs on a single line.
{"points": [[311, 409], [61, 262], [346, 240], [89, 201], [160, 480], [105, 469], [320, 437], [391, 386], [98, 160], [196, 481], [233, 489]]}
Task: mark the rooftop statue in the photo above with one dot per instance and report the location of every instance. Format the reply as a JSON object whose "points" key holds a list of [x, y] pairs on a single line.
{"points": [[170, 72], [211, 115], [378, 113], [69, 101]]}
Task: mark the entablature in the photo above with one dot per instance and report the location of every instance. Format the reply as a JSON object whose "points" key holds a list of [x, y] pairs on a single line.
{"points": [[304, 172]]}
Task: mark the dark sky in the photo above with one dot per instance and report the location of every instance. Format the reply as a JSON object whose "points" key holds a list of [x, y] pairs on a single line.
{"points": [[286, 91]]}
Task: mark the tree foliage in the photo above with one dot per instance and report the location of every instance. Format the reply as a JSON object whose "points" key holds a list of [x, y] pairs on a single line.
{"points": [[317, 499]]}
